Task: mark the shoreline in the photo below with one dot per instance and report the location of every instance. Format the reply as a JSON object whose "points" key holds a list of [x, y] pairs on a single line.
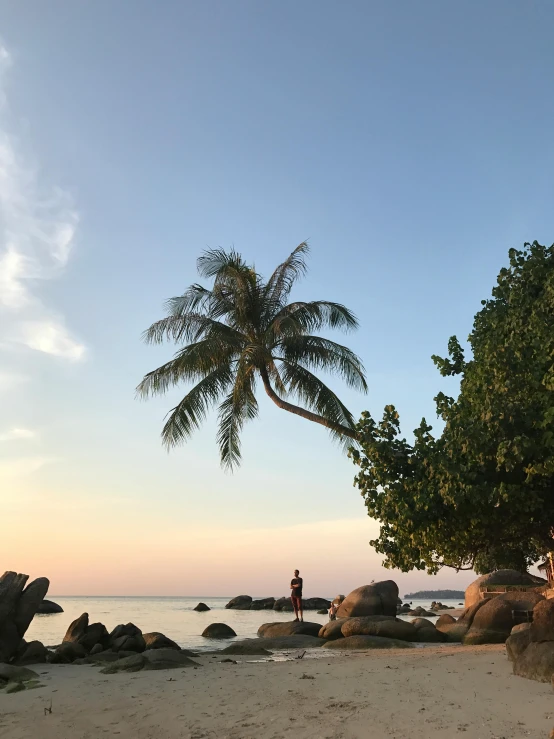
{"points": [[426, 693]]}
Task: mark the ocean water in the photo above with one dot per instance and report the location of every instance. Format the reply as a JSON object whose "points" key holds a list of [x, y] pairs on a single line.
{"points": [[174, 617]]}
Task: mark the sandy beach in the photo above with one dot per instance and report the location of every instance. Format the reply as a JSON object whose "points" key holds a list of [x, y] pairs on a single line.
{"points": [[431, 692]]}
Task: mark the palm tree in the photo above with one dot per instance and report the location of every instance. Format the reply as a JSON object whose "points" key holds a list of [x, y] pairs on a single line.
{"points": [[244, 329]]}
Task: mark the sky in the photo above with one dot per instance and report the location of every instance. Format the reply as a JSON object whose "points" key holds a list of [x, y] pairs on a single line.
{"points": [[411, 143]]}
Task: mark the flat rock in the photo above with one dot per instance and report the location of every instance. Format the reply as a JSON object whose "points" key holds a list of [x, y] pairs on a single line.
{"points": [[166, 659], [367, 642], [246, 648], [14, 673], [135, 663], [218, 631], [289, 628], [298, 641], [390, 628]]}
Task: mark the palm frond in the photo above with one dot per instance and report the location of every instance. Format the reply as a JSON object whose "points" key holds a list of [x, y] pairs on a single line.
{"points": [[198, 299], [318, 353], [237, 408], [189, 413], [192, 363], [283, 278], [307, 317], [317, 397], [189, 327]]}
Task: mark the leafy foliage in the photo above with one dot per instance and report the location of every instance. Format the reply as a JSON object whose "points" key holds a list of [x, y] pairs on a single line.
{"points": [[242, 330], [480, 495]]}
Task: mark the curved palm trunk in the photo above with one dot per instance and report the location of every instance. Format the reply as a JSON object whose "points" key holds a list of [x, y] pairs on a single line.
{"points": [[291, 408]]}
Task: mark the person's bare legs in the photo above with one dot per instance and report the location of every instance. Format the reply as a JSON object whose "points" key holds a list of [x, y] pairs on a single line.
{"points": [[294, 602], [301, 610]]}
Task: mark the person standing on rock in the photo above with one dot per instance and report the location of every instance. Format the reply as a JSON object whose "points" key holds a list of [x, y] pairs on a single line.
{"points": [[296, 595]]}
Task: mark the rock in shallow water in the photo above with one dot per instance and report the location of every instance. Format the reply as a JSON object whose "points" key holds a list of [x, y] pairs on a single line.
{"points": [[48, 606], [218, 631], [201, 607], [240, 603]]}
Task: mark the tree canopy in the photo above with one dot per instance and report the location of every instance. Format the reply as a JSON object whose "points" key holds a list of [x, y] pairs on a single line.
{"points": [[244, 329], [481, 494]]}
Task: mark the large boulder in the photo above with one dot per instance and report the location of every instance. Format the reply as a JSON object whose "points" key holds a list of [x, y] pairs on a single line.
{"points": [[240, 603], [201, 607], [500, 577], [384, 626], [542, 627], [455, 631], [96, 633], [370, 600], [67, 652], [283, 604], [427, 632], [288, 628], [18, 605], [332, 630], [315, 604], [518, 641], [48, 606], [536, 662], [76, 629], [126, 638], [264, 604], [367, 642], [155, 640], [32, 653], [218, 631], [494, 620]]}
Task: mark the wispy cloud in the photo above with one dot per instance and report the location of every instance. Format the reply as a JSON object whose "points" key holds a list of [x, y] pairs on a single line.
{"points": [[38, 223], [16, 434]]}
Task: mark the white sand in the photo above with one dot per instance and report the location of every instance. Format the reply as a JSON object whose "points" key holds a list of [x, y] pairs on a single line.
{"points": [[444, 692]]}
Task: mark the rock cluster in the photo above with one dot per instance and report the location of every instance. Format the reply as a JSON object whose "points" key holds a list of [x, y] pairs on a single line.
{"points": [[246, 603], [91, 642]]}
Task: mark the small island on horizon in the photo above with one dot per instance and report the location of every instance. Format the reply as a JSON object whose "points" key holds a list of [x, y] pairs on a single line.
{"points": [[452, 594]]}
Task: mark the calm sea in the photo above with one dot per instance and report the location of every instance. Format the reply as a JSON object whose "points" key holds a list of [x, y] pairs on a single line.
{"points": [[174, 617]]}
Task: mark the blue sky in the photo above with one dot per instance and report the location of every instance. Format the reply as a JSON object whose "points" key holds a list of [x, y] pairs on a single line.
{"points": [[410, 142]]}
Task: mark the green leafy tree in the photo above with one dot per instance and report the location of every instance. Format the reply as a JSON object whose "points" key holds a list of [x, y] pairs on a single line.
{"points": [[481, 494], [243, 330]]}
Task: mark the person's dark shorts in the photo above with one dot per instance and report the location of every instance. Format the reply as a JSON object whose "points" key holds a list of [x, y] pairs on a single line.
{"points": [[296, 601]]}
